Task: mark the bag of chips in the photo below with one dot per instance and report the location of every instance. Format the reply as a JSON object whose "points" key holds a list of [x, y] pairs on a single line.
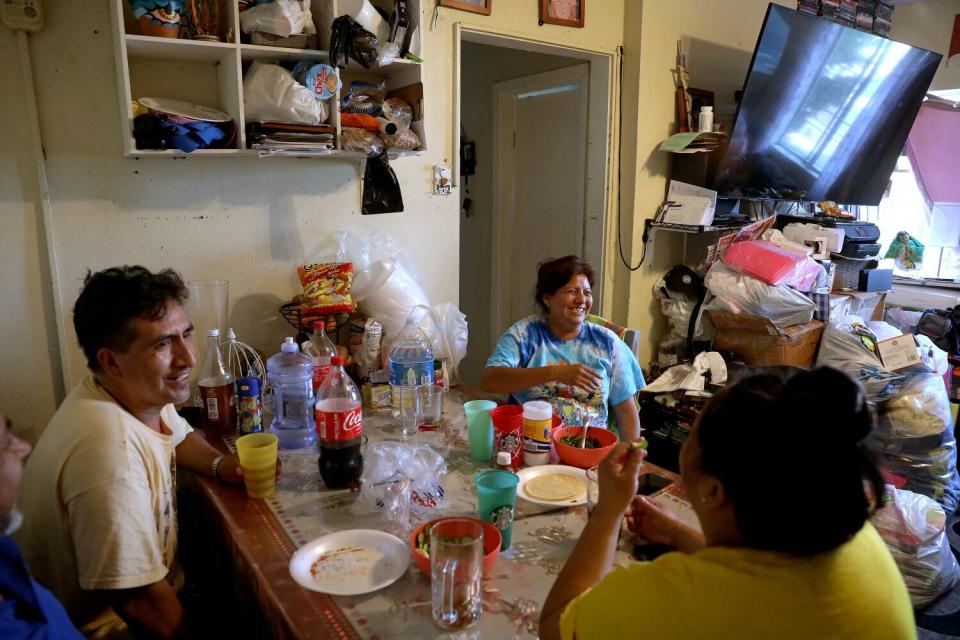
{"points": [[326, 287]]}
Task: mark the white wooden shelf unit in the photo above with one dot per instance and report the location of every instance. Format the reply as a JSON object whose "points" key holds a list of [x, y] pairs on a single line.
{"points": [[211, 74]]}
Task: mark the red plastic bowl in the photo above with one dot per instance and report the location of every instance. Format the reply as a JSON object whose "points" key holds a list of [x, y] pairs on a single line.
{"points": [[584, 458], [491, 544]]}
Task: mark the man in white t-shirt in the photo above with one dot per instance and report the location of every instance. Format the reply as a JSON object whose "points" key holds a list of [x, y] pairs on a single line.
{"points": [[99, 495]]}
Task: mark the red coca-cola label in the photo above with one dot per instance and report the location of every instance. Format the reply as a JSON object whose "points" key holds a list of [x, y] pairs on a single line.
{"points": [[339, 425]]}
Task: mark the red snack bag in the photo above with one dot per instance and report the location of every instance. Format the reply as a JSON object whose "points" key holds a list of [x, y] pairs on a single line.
{"points": [[326, 287]]}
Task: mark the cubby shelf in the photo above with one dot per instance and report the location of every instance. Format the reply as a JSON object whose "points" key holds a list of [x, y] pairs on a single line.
{"points": [[211, 74]]}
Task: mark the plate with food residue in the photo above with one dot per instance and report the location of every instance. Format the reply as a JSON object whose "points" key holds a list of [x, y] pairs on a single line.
{"points": [[553, 485], [350, 563]]}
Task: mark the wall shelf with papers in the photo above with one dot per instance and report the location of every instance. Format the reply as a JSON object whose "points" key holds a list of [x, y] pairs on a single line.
{"points": [[652, 227]]}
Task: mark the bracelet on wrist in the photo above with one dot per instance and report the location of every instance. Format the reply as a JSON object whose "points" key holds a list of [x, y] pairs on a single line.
{"points": [[215, 465]]}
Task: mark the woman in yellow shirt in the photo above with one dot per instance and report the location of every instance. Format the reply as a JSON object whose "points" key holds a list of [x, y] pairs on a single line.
{"points": [[782, 487]]}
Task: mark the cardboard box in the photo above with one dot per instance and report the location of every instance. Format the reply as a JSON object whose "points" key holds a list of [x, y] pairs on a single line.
{"points": [[867, 305], [761, 343]]}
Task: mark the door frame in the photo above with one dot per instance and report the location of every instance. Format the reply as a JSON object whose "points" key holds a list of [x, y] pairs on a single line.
{"points": [[603, 134], [505, 94]]}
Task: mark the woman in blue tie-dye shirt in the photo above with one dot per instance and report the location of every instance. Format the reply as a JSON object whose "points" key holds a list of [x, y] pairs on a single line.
{"points": [[579, 367]]}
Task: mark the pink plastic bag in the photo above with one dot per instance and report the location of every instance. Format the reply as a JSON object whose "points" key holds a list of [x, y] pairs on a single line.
{"points": [[768, 262]]}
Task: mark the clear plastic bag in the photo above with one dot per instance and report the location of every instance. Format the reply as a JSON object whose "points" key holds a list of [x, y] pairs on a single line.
{"points": [[914, 529], [271, 93], [361, 140], [400, 480], [398, 112], [772, 264], [405, 140], [446, 326], [739, 293], [364, 97]]}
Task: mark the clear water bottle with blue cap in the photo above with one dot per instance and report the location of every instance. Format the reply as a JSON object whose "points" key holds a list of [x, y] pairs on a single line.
{"points": [[411, 360], [290, 376]]}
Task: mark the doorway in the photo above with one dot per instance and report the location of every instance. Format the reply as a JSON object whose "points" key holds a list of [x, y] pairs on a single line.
{"points": [[537, 118]]}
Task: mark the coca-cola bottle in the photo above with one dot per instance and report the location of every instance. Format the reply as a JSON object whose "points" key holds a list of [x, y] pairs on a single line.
{"points": [[321, 349], [340, 428], [217, 391]]}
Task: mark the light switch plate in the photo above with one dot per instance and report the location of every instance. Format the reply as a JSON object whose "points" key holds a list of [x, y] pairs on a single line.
{"points": [[442, 180], [22, 15]]}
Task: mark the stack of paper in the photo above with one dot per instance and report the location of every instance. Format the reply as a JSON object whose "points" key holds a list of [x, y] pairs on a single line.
{"points": [[688, 204]]}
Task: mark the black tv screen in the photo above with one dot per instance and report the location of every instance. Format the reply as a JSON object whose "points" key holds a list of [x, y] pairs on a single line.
{"points": [[825, 112]]}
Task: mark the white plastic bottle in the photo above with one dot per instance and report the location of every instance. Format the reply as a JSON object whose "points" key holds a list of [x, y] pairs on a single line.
{"points": [[705, 124]]}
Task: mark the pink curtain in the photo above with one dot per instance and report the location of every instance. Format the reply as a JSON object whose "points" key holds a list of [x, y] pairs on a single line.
{"points": [[933, 147]]}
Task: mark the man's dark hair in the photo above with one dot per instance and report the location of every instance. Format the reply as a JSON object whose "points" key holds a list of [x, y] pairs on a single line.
{"points": [[111, 299], [553, 274], [789, 452]]}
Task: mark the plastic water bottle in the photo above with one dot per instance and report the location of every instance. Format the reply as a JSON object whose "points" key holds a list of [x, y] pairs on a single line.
{"points": [[321, 348], [340, 427], [290, 375], [411, 361]]}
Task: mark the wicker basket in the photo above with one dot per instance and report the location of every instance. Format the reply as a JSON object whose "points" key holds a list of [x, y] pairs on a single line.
{"points": [[304, 323]]}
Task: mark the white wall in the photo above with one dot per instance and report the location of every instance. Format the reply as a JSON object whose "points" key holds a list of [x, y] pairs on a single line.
{"points": [[929, 24], [250, 221], [481, 67]]}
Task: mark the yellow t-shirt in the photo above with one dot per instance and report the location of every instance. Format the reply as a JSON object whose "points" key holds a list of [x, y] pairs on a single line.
{"points": [[854, 591]]}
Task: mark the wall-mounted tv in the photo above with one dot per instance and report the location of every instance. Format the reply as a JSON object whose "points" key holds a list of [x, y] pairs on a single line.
{"points": [[826, 110]]}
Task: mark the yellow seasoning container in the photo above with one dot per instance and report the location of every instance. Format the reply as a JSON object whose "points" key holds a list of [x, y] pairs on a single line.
{"points": [[537, 419]]}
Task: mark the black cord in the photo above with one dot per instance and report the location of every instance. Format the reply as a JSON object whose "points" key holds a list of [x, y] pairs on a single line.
{"points": [[643, 254]]}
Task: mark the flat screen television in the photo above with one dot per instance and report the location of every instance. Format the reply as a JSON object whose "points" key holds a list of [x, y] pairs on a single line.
{"points": [[825, 112]]}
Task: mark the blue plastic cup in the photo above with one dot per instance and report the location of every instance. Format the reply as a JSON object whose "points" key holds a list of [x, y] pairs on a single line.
{"points": [[496, 499]]}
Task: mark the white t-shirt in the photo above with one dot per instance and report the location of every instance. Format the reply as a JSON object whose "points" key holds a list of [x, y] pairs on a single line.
{"points": [[99, 501]]}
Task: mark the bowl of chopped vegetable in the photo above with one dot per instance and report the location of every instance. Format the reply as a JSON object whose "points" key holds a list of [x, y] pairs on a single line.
{"points": [[599, 443], [420, 542]]}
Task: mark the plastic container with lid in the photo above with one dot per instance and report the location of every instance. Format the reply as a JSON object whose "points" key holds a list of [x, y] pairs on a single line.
{"points": [[290, 376], [537, 416], [705, 123]]}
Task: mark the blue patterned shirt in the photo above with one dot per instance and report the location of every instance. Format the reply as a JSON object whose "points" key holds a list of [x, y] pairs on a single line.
{"points": [[529, 343]]}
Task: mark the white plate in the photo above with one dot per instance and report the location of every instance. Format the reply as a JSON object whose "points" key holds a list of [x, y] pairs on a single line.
{"points": [[185, 109], [350, 562], [529, 473]]}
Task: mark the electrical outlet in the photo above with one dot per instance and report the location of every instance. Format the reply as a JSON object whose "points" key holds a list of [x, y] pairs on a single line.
{"points": [[22, 15]]}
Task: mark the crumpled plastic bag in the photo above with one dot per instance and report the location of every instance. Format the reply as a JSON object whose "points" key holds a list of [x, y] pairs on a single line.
{"points": [[271, 94], [740, 293], [914, 529], [381, 188], [400, 480], [350, 40], [446, 326], [281, 17]]}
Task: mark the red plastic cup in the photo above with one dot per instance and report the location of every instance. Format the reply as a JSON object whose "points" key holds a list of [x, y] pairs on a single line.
{"points": [[508, 432]]}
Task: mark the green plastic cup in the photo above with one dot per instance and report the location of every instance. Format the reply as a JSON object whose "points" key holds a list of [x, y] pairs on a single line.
{"points": [[497, 497], [480, 428]]}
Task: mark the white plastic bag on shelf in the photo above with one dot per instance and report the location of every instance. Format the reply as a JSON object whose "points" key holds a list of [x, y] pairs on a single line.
{"points": [[271, 93], [740, 293], [281, 17], [400, 480], [914, 529]]}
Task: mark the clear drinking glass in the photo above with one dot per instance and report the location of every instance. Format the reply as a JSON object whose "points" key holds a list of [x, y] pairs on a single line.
{"points": [[456, 571], [410, 410], [431, 407], [593, 488]]}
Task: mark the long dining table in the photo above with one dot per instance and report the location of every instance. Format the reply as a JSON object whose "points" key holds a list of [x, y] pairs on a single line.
{"points": [[255, 540]]}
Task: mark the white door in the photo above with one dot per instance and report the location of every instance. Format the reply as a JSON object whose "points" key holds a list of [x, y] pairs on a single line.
{"points": [[540, 152]]}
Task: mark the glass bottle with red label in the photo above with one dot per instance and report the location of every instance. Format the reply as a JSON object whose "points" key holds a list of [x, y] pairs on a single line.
{"points": [[340, 428]]}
